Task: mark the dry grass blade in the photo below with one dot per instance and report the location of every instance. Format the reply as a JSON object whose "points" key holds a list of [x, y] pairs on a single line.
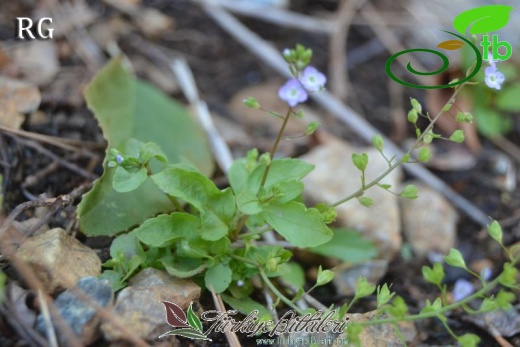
{"points": [[219, 304], [187, 83]]}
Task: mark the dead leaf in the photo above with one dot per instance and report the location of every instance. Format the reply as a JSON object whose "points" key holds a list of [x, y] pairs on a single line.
{"points": [[16, 98], [451, 45]]}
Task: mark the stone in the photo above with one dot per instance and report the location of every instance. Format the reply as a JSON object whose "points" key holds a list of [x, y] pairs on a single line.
{"points": [[139, 306], [335, 177], [347, 275], [58, 259], [429, 222], [379, 335], [79, 315], [17, 97]]}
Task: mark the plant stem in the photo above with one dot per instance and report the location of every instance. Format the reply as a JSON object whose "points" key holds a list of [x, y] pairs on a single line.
{"points": [[276, 143], [278, 293], [361, 190]]}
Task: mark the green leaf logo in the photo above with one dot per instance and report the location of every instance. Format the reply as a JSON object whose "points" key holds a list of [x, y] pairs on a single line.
{"points": [[483, 19]]}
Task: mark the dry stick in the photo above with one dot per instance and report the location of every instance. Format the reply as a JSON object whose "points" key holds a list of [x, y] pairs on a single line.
{"points": [[49, 328], [298, 21], [68, 144], [187, 83], [338, 47], [219, 304], [273, 58], [389, 40], [61, 161]]}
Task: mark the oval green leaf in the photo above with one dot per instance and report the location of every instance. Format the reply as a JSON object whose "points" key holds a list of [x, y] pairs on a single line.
{"points": [[483, 19]]}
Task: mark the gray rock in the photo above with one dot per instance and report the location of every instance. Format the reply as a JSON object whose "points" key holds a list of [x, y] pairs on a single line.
{"points": [[335, 177], [139, 306], [379, 335], [347, 275], [429, 222], [80, 316]]}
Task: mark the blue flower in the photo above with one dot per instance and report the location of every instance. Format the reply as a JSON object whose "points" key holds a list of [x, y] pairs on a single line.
{"points": [[494, 78], [312, 79], [462, 289], [292, 92], [119, 158]]}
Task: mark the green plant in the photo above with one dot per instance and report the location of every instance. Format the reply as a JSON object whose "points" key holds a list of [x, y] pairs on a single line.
{"points": [[211, 235]]}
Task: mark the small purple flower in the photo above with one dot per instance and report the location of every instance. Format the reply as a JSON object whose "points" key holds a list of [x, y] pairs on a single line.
{"points": [[119, 158], [462, 289], [292, 92], [494, 78], [312, 79]]}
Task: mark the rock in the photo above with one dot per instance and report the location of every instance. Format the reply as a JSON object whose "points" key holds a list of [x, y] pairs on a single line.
{"points": [[139, 306], [59, 259], [335, 177], [80, 316], [505, 323], [347, 275], [38, 61], [380, 335], [429, 222]]}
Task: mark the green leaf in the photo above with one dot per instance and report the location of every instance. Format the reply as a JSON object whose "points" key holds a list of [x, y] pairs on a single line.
{"points": [[162, 230], [365, 201], [363, 288], [114, 278], [508, 99], [292, 273], [132, 266], [183, 267], [495, 231], [190, 186], [434, 275], [491, 123], [436, 306], [482, 19], [248, 203], [126, 244], [287, 169], [193, 320], [457, 136], [383, 295], [468, 340], [246, 306], [349, 246], [127, 180], [424, 154], [300, 226], [360, 161], [454, 258], [410, 192], [129, 108], [324, 277], [219, 277]]}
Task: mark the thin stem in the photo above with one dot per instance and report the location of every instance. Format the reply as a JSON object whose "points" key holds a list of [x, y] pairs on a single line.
{"points": [[361, 190], [275, 290], [276, 143], [441, 311]]}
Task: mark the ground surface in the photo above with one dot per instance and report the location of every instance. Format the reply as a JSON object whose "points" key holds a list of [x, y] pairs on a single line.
{"points": [[223, 67]]}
